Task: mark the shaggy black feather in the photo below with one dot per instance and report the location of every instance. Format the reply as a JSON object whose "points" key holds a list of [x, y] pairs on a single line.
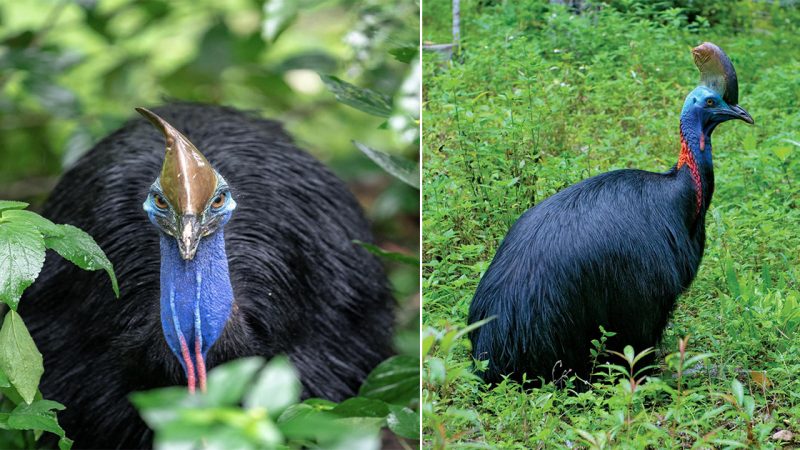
{"points": [[614, 250], [301, 286]]}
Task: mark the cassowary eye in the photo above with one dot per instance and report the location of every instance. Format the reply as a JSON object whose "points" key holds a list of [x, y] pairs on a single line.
{"points": [[159, 201], [710, 102], [218, 201]]}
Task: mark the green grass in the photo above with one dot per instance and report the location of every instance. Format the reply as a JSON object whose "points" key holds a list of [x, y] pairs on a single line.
{"points": [[540, 99]]}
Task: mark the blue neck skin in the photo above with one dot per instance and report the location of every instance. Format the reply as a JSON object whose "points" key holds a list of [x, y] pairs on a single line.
{"points": [[697, 138], [196, 299]]}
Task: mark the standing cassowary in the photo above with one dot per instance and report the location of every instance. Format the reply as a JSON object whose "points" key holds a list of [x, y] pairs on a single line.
{"points": [[283, 276], [615, 250]]}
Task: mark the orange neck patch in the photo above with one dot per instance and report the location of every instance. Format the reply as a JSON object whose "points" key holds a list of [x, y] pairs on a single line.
{"points": [[686, 158]]}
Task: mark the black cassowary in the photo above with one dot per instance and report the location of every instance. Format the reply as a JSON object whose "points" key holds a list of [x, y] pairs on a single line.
{"points": [[615, 250], [285, 277]]}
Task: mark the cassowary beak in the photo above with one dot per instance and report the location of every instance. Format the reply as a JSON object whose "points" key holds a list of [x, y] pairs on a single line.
{"points": [[741, 114], [189, 229]]}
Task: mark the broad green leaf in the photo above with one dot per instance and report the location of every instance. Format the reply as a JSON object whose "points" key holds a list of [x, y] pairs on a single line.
{"points": [[404, 422], [276, 388], [76, 246], [278, 15], [227, 383], [4, 383], [395, 380], [402, 169], [6, 205], [361, 407], [160, 407], [362, 99], [303, 422], [394, 256], [20, 360], [39, 415], [21, 258], [45, 226]]}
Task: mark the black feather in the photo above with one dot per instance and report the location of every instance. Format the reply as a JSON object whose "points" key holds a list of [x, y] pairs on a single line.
{"points": [[614, 250], [301, 286]]}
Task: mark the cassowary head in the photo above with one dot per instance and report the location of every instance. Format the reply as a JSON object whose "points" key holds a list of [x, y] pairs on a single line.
{"points": [[716, 99], [189, 200], [190, 203]]}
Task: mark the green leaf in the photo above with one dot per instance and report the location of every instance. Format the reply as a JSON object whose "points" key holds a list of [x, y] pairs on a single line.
{"points": [[227, 383], [20, 360], [402, 169], [64, 443], [403, 422], [361, 407], [76, 246], [45, 226], [738, 391], [4, 383], [276, 388], [782, 152], [38, 415], [303, 422], [394, 256], [278, 15], [405, 54], [10, 204], [395, 380], [731, 278], [160, 407], [21, 258], [362, 99]]}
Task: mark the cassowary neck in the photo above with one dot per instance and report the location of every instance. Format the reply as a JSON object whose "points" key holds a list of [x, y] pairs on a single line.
{"points": [[695, 159], [196, 299]]}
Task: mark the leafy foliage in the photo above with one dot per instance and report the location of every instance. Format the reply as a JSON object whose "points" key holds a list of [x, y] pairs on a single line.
{"points": [[24, 236], [71, 72], [542, 97], [272, 415]]}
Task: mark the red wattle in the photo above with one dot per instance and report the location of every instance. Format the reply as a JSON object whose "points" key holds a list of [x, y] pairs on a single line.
{"points": [[201, 366], [187, 359]]}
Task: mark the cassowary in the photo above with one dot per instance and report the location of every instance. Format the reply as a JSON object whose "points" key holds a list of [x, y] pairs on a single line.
{"points": [[615, 250], [248, 252]]}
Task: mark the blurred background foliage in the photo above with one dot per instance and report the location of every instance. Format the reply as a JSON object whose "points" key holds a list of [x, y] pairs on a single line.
{"points": [[545, 93], [72, 71]]}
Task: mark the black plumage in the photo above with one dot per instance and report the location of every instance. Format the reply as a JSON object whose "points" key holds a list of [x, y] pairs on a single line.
{"points": [[301, 286], [614, 251]]}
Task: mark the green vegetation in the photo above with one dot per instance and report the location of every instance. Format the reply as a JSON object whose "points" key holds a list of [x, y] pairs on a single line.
{"points": [[343, 78], [271, 415], [24, 237], [540, 98]]}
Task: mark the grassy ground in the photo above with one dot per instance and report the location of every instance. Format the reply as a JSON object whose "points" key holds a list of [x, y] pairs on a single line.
{"points": [[539, 99]]}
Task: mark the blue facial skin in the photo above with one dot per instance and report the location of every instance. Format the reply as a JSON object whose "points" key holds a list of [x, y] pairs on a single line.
{"points": [[702, 111], [196, 294]]}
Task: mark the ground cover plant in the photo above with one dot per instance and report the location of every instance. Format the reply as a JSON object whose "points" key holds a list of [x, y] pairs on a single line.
{"points": [[540, 97], [341, 76]]}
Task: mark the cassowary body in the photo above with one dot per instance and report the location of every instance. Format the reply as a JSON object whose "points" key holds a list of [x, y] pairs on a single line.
{"points": [[284, 277], [615, 250]]}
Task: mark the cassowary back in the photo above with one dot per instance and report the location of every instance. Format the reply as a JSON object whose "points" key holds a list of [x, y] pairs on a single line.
{"points": [[301, 287], [588, 256]]}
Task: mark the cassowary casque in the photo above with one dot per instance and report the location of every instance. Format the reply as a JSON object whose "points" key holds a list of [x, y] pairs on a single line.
{"points": [[244, 247], [615, 250]]}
